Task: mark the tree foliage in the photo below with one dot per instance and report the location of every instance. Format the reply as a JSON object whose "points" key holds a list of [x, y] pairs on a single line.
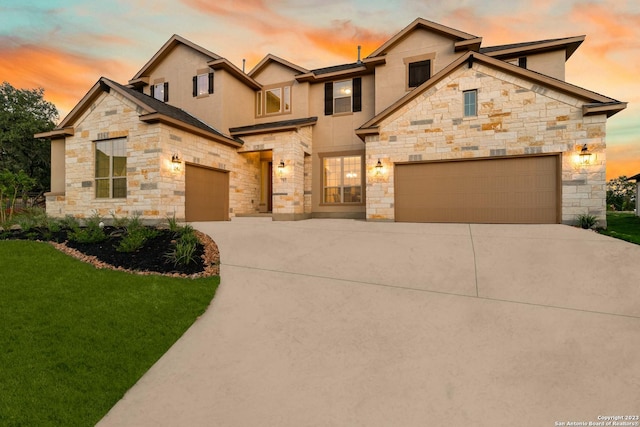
{"points": [[12, 185], [621, 194], [23, 113]]}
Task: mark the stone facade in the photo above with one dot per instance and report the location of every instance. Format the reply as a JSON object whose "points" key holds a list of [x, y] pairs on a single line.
{"points": [[515, 117], [154, 190], [291, 184]]}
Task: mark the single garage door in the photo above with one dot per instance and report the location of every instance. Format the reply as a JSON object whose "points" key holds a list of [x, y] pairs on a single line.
{"points": [[206, 194], [523, 190]]}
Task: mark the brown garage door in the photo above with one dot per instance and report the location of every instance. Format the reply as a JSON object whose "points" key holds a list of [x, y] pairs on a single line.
{"points": [[520, 190], [206, 194]]}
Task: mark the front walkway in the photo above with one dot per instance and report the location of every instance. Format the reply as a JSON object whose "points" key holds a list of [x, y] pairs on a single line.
{"points": [[351, 323]]}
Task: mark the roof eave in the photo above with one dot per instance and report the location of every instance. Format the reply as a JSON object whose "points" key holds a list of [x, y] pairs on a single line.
{"points": [[224, 64], [569, 44], [56, 133], [471, 44], [609, 108], [369, 131], [237, 132], [162, 118]]}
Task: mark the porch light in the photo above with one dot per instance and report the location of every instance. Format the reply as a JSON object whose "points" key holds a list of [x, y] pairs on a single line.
{"points": [[379, 168], [585, 155], [281, 165], [175, 162]]}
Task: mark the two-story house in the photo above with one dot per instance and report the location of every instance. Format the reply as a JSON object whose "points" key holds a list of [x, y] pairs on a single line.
{"points": [[430, 127]]}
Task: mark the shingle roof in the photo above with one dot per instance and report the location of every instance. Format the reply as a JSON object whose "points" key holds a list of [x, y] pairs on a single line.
{"points": [[336, 68], [166, 109], [282, 125], [489, 49]]}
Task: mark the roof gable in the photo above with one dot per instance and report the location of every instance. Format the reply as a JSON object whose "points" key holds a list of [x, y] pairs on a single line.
{"points": [[463, 41], [595, 103], [166, 49], [151, 110], [270, 59]]}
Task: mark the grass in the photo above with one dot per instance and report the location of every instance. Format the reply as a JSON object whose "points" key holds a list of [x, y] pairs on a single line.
{"points": [[74, 339], [624, 226]]}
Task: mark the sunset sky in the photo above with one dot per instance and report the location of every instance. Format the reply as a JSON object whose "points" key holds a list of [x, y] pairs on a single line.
{"points": [[65, 46]]}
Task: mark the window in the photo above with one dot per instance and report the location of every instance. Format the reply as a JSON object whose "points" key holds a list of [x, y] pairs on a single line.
{"points": [[160, 91], [342, 179], [275, 100], [419, 72], [343, 96], [470, 103], [111, 169], [202, 84]]}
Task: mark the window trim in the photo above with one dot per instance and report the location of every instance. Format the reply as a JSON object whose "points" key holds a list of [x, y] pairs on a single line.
{"points": [[111, 177], [475, 103], [356, 97], [342, 155], [208, 86], [419, 58], [286, 88]]}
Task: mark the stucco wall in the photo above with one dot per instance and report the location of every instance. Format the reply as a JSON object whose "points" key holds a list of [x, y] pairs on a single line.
{"points": [[515, 117]]}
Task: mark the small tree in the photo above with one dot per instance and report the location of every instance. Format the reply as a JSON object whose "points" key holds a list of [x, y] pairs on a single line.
{"points": [[23, 113], [11, 185], [621, 194]]}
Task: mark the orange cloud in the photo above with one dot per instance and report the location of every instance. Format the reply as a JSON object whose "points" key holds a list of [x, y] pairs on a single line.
{"points": [[65, 76], [623, 159], [343, 37]]}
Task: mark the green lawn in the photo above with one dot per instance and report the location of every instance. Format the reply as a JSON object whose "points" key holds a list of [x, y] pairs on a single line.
{"points": [[74, 339], [625, 226]]}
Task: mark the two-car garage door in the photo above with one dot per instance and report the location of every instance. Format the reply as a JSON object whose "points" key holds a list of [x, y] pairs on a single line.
{"points": [[523, 190], [206, 194]]}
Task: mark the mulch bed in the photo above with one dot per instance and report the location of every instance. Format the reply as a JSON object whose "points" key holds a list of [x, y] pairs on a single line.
{"points": [[150, 259]]}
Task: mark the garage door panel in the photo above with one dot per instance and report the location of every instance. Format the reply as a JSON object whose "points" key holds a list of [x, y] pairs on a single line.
{"points": [[206, 194], [515, 190]]}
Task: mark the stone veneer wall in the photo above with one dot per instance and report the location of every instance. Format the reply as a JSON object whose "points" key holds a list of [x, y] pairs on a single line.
{"points": [[515, 117], [154, 190], [291, 187]]}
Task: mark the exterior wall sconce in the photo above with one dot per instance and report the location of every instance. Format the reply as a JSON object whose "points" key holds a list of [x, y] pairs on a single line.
{"points": [[281, 167], [175, 162], [378, 168], [585, 157]]}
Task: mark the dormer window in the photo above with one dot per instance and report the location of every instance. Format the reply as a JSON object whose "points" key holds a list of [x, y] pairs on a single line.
{"points": [[274, 100], [160, 91], [522, 62]]}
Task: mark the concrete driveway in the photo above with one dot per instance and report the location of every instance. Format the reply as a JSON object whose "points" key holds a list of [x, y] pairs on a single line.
{"points": [[350, 323]]}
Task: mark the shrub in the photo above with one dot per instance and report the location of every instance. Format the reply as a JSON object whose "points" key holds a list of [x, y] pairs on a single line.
{"points": [[587, 221], [135, 239], [185, 248], [92, 231]]}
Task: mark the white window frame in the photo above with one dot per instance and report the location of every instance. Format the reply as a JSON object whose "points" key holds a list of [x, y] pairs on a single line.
{"points": [[470, 107], [342, 90], [110, 178], [344, 175]]}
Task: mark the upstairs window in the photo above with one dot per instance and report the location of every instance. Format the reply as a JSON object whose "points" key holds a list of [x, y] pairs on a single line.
{"points": [[274, 100], [111, 169], [160, 91], [470, 103], [343, 96], [419, 72], [203, 84]]}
